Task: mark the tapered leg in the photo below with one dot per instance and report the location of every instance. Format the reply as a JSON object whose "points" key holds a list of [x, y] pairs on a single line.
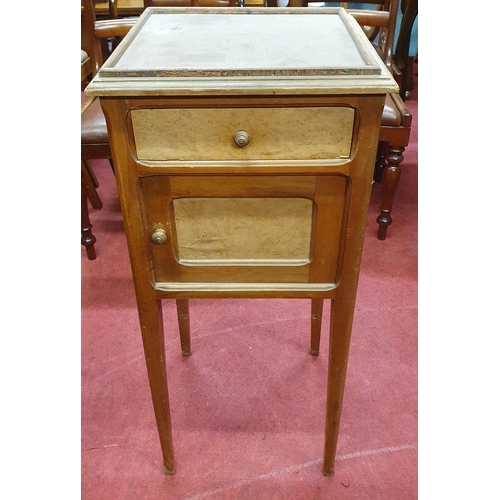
{"points": [[391, 175], [150, 316], [316, 316], [340, 333], [88, 239], [184, 328], [380, 162]]}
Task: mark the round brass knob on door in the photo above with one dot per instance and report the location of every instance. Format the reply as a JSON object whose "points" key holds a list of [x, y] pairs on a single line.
{"points": [[241, 138], [159, 237]]}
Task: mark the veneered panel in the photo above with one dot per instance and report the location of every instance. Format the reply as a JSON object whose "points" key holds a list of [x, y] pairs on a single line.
{"points": [[275, 133], [243, 231]]}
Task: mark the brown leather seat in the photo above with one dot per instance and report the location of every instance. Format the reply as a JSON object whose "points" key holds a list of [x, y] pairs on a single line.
{"points": [[93, 125], [391, 116]]}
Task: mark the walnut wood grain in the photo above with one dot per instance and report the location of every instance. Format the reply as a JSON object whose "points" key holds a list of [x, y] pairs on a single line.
{"points": [[208, 133]]}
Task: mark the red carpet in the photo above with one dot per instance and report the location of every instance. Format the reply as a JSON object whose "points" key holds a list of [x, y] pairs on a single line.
{"points": [[248, 406]]}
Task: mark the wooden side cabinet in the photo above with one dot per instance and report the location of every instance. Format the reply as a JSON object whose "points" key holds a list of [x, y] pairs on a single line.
{"points": [[244, 142]]}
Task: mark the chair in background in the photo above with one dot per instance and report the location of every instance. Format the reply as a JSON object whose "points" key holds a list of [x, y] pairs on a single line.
{"points": [[406, 46], [86, 62], [193, 3], [94, 134], [379, 24], [95, 140], [97, 37]]}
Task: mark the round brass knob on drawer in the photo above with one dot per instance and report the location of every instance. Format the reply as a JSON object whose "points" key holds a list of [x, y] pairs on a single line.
{"points": [[241, 138], [159, 237]]}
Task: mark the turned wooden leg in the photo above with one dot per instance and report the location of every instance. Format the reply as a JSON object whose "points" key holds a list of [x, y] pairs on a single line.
{"points": [[88, 239], [392, 173], [151, 320], [184, 328], [91, 173], [380, 162], [338, 352], [316, 315]]}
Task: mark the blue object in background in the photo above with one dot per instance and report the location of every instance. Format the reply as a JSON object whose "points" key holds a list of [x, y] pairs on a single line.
{"points": [[413, 50]]}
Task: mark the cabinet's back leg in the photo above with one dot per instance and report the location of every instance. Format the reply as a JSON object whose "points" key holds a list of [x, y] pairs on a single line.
{"points": [[184, 329], [316, 315]]}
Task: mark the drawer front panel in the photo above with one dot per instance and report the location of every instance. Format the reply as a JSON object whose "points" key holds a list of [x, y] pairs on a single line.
{"points": [[301, 133]]}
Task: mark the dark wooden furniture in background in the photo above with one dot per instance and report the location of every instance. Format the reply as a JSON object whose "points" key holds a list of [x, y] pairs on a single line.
{"points": [[94, 133], [127, 8], [395, 127], [192, 3], [120, 8], [379, 24], [402, 59], [249, 179], [97, 38]]}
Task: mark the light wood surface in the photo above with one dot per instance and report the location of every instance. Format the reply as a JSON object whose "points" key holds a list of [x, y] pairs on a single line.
{"points": [[243, 231], [208, 133]]}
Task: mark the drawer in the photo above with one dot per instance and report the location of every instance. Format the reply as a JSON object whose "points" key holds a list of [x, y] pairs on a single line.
{"points": [[285, 133]]}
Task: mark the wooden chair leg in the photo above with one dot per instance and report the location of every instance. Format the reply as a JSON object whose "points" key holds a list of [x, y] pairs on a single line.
{"points": [[91, 173], [392, 173], [88, 239], [91, 184], [380, 162], [316, 316], [184, 328]]}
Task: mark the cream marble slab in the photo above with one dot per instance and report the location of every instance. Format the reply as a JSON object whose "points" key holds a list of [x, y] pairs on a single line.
{"points": [[235, 44], [174, 51]]}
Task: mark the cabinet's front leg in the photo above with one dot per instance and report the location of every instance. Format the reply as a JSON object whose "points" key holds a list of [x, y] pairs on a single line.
{"points": [[151, 319], [340, 334], [316, 316], [391, 175], [184, 328]]}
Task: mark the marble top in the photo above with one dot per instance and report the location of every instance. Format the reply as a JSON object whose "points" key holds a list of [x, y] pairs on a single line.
{"points": [[226, 44], [232, 48]]}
